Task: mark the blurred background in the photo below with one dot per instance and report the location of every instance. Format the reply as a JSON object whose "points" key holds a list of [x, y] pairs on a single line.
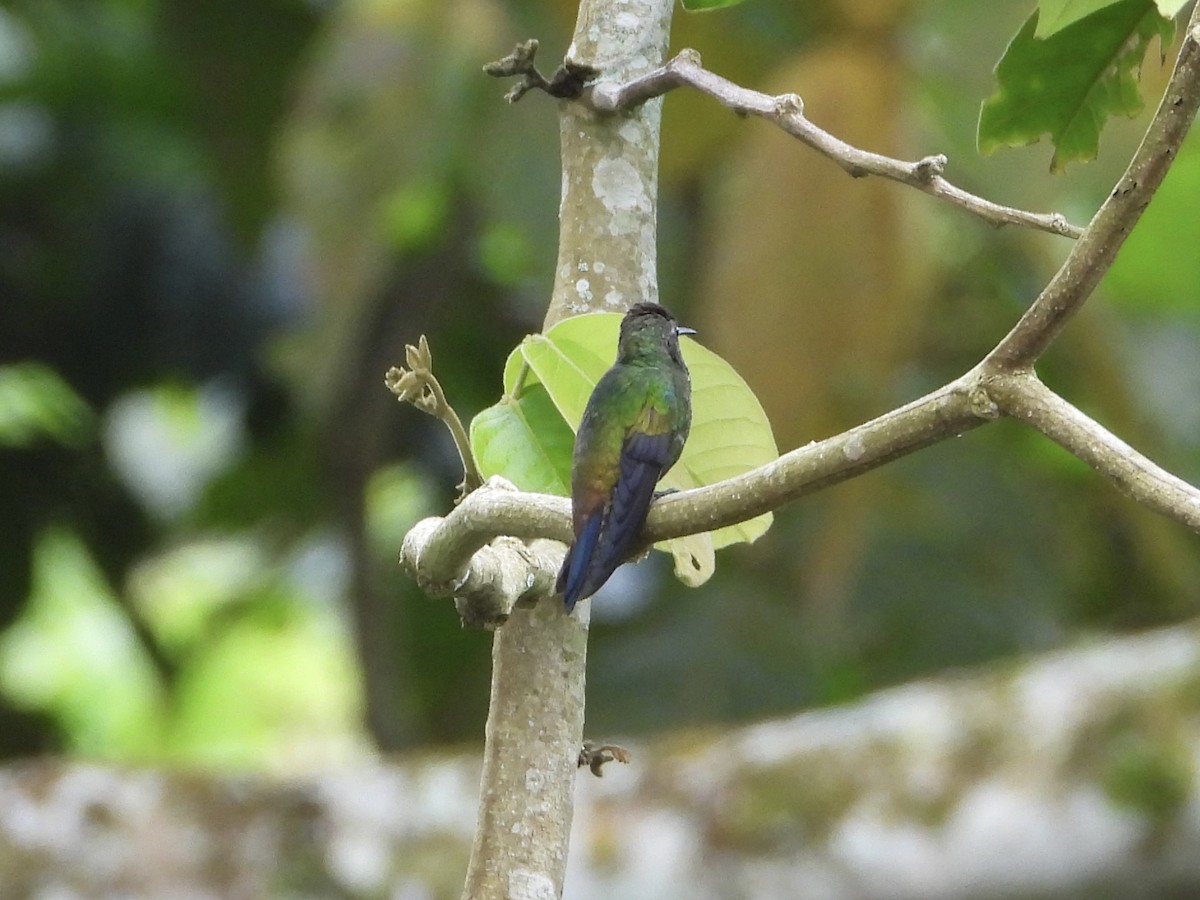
{"points": [[221, 221]]}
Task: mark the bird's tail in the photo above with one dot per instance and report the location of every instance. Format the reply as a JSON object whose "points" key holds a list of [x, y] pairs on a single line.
{"points": [[572, 575]]}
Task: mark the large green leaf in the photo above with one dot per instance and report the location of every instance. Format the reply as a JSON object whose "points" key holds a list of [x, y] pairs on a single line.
{"points": [[730, 433], [1069, 84], [525, 440], [1170, 7]]}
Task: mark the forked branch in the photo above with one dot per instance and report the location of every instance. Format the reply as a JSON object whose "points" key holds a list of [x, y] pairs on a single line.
{"points": [[1002, 384]]}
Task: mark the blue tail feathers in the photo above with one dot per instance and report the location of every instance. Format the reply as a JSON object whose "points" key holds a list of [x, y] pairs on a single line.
{"points": [[573, 574]]}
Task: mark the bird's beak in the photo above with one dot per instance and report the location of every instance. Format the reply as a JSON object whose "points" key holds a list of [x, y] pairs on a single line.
{"points": [[683, 329]]}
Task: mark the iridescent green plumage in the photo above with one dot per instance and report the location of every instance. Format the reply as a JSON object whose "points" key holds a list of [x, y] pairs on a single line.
{"points": [[632, 432]]}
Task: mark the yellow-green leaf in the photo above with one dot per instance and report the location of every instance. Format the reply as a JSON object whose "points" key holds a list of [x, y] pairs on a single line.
{"points": [[1055, 15], [525, 440]]}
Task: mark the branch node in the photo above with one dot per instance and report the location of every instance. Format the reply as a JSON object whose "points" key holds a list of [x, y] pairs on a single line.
{"points": [[566, 83], [594, 756], [606, 97], [789, 105], [1059, 223], [981, 403], [930, 167]]}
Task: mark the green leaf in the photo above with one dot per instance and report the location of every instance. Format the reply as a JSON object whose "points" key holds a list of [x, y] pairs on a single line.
{"points": [[702, 5], [730, 432], [1055, 15], [525, 440], [1071, 83]]}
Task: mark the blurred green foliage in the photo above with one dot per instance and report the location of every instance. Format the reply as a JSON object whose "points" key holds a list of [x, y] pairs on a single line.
{"points": [[1159, 270], [221, 222], [35, 404]]}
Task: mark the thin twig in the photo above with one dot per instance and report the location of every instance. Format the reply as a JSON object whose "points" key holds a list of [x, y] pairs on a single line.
{"points": [[567, 82], [418, 386], [787, 111]]}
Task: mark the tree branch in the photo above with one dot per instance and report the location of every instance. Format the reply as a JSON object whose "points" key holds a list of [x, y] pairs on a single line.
{"points": [[534, 727], [1023, 397], [787, 111], [1096, 250], [566, 83], [451, 557], [1080, 763], [456, 557], [445, 553], [606, 257]]}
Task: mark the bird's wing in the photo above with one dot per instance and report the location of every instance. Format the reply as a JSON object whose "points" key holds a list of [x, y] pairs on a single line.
{"points": [[610, 534]]}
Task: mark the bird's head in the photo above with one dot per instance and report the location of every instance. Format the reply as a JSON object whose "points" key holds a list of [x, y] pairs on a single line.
{"points": [[647, 332]]}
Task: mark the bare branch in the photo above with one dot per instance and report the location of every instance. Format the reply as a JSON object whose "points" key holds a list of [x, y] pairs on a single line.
{"points": [[452, 558], [1095, 252], [1025, 398], [456, 556], [787, 111], [951, 410]]}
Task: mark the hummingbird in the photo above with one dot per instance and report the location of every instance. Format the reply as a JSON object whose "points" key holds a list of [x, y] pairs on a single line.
{"points": [[633, 430]]}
